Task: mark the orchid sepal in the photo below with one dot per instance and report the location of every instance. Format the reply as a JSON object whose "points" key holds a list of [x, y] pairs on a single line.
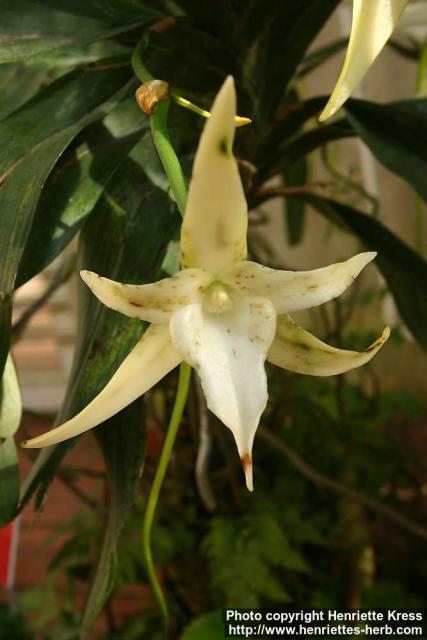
{"points": [[373, 23], [213, 233], [299, 351], [150, 360]]}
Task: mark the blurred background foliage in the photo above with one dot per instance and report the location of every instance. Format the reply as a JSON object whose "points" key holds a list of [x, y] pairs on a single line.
{"points": [[338, 517]]}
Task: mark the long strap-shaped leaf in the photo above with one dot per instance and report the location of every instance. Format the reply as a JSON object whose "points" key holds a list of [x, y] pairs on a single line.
{"points": [[404, 270]]}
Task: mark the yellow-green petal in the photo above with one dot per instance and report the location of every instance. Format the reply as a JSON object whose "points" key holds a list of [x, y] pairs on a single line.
{"points": [[295, 290], [297, 350], [149, 361], [373, 24], [213, 233], [151, 302]]}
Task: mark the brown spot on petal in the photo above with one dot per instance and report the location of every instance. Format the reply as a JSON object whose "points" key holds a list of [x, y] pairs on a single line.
{"points": [[246, 462], [223, 146]]}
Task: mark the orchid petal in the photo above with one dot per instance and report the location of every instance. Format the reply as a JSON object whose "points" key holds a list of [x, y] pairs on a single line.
{"points": [[298, 350], [294, 290], [151, 302], [149, 361], [213, 232], [373, 24], [228, 350]]}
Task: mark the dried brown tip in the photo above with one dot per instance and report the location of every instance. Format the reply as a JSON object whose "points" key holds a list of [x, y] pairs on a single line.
{"points": [[247, 468], [149, 94]]}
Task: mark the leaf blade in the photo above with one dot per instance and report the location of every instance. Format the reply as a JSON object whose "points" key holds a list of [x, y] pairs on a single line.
{"points": [[404, 270]]}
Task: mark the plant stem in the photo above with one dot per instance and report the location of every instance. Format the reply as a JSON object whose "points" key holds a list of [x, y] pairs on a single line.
{"points": [[172, 167], [160, 133], [178, 409], [167, 155]]}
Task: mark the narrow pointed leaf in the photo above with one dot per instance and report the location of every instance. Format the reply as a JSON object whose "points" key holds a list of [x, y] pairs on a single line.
{"points": [[20, 191], [291, 151], [69, 196], [18, 200], [404, 270], [294, 214], [30, 28], [135, 222], [396, 135], [63, 104], [288, 122], [19, 84], [123, 446], [281, 34]]}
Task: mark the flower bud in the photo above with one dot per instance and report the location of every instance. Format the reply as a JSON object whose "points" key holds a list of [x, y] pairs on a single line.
{"points": [[150, 93]]}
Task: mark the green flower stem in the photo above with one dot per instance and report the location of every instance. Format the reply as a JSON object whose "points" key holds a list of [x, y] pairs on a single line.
{"points": [[178, 409], [172, 167], [167, 155], [160, 133]]}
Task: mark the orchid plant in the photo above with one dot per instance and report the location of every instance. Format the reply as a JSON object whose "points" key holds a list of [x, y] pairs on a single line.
{"points": [[222, 314]]}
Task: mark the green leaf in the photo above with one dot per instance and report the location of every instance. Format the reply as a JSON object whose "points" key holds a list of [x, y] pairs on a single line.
{"points": [[396, 135], [70, 194], [294, 176], [288, 122], [404, 270], [123, 444], [217, 18], [317, 57], [63, 104], [19, 83], [18, 199], [245, 554], [210, 626], [9, 481], [135, 222], [209, 59], [291, 151], [20, 191], [29, 29], [280, 37], [10, 417]]}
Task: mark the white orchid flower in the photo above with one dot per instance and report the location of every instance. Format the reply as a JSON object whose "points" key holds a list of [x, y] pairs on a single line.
{"points": [[373, 23], [219, 312]]}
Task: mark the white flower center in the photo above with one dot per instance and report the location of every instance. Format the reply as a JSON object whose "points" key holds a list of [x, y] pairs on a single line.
{"points": [[217, 298]]}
